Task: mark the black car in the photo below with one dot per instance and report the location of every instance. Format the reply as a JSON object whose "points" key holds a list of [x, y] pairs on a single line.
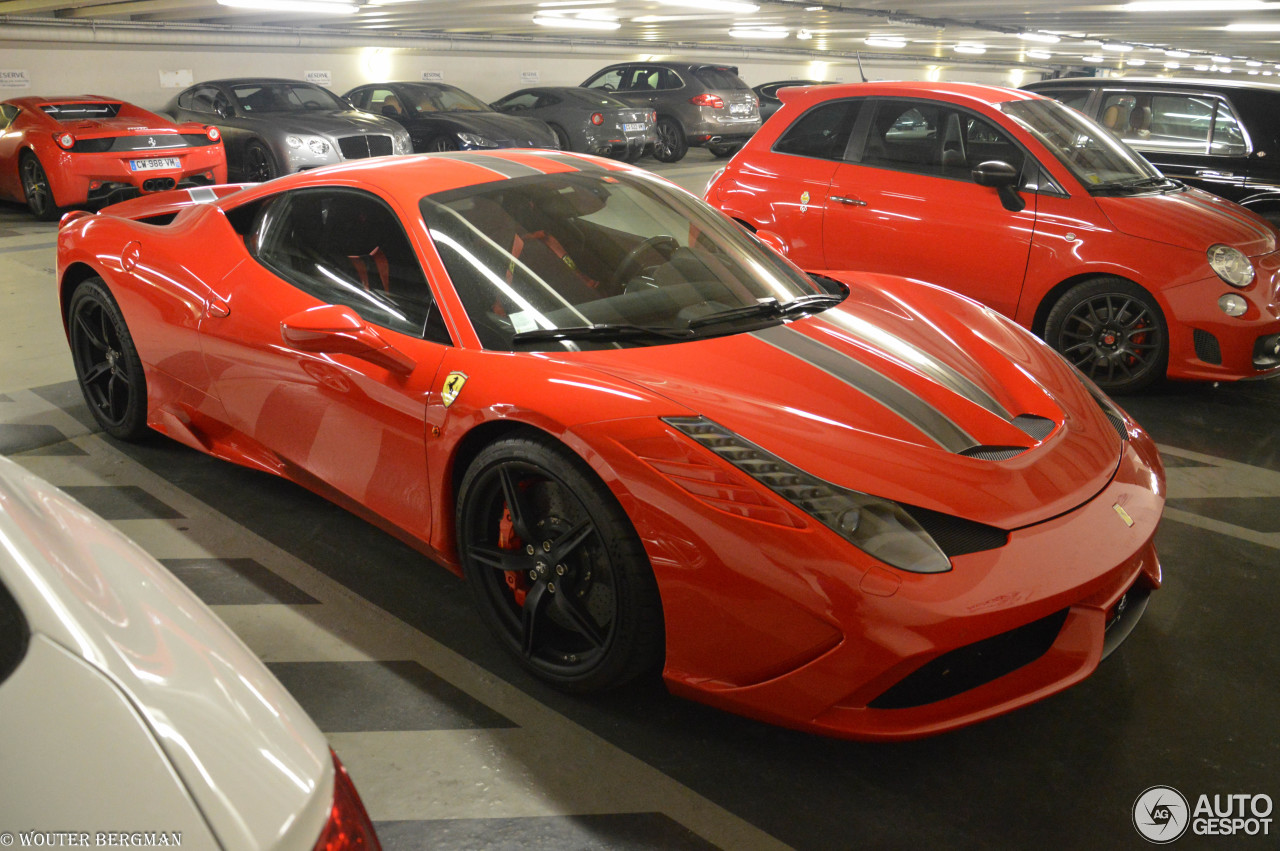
{"points": [[1222, 136], [768, 94], [440, 117], [586, 120]]}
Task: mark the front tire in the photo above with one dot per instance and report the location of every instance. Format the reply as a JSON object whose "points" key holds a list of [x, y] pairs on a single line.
{"points": [[37, 189], [671, 145], [1113, 331], [442, 143], [259, 165], [556, 567], [107, 364]]}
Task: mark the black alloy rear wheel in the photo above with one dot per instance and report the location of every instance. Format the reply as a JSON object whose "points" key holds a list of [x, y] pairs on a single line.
{"points": [[556, 567], [1113, 331], [36, 189], [107, 364], [562, 138], [671, 145]]}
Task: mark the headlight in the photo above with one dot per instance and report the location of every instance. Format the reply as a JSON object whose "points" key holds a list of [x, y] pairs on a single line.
{"points": [[879, 527], [314, 144], [1231, 265], [403, 144], [476, 141]]}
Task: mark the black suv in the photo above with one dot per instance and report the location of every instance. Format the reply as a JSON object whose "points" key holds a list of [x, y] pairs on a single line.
{"points": [[1220, 135], [697, 104]]}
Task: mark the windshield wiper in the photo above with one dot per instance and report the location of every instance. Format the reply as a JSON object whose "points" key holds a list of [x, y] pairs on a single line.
{"points": [[603, 331], [1140, 183], [768, 308]]}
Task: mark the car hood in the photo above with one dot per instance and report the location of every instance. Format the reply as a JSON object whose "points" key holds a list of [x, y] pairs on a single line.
{"points": [[256, 765], [1190, 219], [493, 125], [333, 122], [891, 392]]}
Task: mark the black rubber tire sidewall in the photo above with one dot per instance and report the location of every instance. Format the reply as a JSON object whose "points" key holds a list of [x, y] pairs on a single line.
{"points": [[679, 145], [52, 212], [134, 424], [636, 644], [1102, 285], [562, 138], [269, 162]]}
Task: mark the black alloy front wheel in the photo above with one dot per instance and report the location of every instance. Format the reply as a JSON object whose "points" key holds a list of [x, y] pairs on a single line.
{"points": [[1113, 331], [107, 364], [259, 164], [556, 567]]}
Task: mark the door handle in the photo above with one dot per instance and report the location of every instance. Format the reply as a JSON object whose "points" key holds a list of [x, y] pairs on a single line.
{"points": [[851, 201]]}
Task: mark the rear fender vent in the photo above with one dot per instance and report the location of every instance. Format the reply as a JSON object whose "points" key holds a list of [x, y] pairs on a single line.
{"points": [[974, 665], [956, 536]]}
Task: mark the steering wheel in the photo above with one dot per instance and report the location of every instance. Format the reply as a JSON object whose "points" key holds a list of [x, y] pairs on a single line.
{"points": [[653, 243]]}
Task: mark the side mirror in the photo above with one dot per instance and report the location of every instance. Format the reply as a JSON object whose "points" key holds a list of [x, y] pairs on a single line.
{"points": [[772, 240], [334, 329], [1003, 178]]}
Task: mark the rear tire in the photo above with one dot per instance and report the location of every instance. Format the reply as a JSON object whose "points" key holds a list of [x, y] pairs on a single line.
{"points": [[37, 189], [562, 138], [107, 364], [1113, 331], [671, 145], [722, 151]]}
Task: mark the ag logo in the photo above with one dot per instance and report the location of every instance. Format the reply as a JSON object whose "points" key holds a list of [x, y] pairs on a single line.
{"points": [[452, 387], [1161, 814], [804, 200]]}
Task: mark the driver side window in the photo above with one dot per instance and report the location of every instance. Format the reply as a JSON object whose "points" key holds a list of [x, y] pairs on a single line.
{"points": [[610, 80], [346, 247]]}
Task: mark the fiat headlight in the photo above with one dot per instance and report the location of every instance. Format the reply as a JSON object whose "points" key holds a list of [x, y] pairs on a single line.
{"points": [[879, 527], [1231, 265], [475, 140], [314, 144]]}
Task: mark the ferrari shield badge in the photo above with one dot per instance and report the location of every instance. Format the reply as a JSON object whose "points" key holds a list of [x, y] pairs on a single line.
{"points": [[1124, 515], [452, 387]]}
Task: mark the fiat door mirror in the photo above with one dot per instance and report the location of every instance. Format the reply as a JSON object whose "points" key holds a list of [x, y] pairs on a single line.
{"points": [[334, 329], [1003, 178]]}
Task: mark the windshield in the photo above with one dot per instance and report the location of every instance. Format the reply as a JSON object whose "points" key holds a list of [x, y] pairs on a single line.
{"points": [[441, 98], [1096, 157], [578, 260], [285, 97]]}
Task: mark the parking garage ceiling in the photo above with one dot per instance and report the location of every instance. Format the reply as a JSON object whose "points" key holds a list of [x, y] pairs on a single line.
{"points": [[1237, 37]]}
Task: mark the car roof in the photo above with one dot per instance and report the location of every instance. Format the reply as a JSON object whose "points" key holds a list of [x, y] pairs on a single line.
{"points": [[1166, 82], [243, 81], [958, 92]]}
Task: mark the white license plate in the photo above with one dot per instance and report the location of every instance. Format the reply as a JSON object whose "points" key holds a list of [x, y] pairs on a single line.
{"points": [[739, 109], [633, 128], [154, 163]]}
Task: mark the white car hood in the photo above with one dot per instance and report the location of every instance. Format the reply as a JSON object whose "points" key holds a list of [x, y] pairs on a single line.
{"points": [[258, 768]]}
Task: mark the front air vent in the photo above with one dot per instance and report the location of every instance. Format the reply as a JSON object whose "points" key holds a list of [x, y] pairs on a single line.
{"points": [[1034, 427], [1207, 348], [956, 536], [994, 453]]}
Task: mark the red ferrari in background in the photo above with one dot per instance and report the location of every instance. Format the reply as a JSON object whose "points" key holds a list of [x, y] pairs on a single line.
{"points": [[1026, 205], [857, 505], [72, 151]]}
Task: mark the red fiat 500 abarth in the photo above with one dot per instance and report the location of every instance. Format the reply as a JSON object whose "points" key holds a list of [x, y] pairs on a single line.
{"points": [[1026, 205]]}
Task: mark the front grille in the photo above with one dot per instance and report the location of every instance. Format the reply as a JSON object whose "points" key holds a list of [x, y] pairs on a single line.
{"points": [[956, 536], [1207, 348], [1036, 428], [974, 665], [360, 147]]}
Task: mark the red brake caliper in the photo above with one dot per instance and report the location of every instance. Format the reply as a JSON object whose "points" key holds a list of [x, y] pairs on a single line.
{"points": [[509, 540]]}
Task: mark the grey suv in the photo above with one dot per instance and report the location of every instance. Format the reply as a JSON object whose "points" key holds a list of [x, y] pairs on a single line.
{"points": [[1222, 136], [697, 104]]}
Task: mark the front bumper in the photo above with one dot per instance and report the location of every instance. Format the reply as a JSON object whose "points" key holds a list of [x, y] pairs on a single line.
{"points": [[82, 178], [794, 627], [1207, 345]]}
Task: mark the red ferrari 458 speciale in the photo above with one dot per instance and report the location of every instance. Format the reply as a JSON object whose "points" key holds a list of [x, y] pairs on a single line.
{"points": [[853, 504], [72, 151]]}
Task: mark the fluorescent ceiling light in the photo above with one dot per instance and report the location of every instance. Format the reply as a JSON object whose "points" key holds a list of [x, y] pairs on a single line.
{"points": [[735, 6], [1039, 54], [969, 48], [1177, 54], [1172, 65], [551, 4], [1115, 47], [322, 7], [1253, 63], [804, 35], [758, 32], [1094, 59], [1220, 59], [1253, 28], [1201, 67], [575, 22], [884, 41], [1136, 63], [1044, 38], [813, 8], [1196, 5]]}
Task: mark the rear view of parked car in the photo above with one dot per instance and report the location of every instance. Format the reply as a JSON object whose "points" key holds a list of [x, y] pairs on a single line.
{"points": [[65, 152], [697, 105], [440, 117], [126, 706], [587, 120], [1222, 136], [273, 127]]}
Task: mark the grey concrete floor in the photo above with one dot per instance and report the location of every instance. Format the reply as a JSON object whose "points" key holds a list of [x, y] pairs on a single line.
{"points": [[453, 746]]}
